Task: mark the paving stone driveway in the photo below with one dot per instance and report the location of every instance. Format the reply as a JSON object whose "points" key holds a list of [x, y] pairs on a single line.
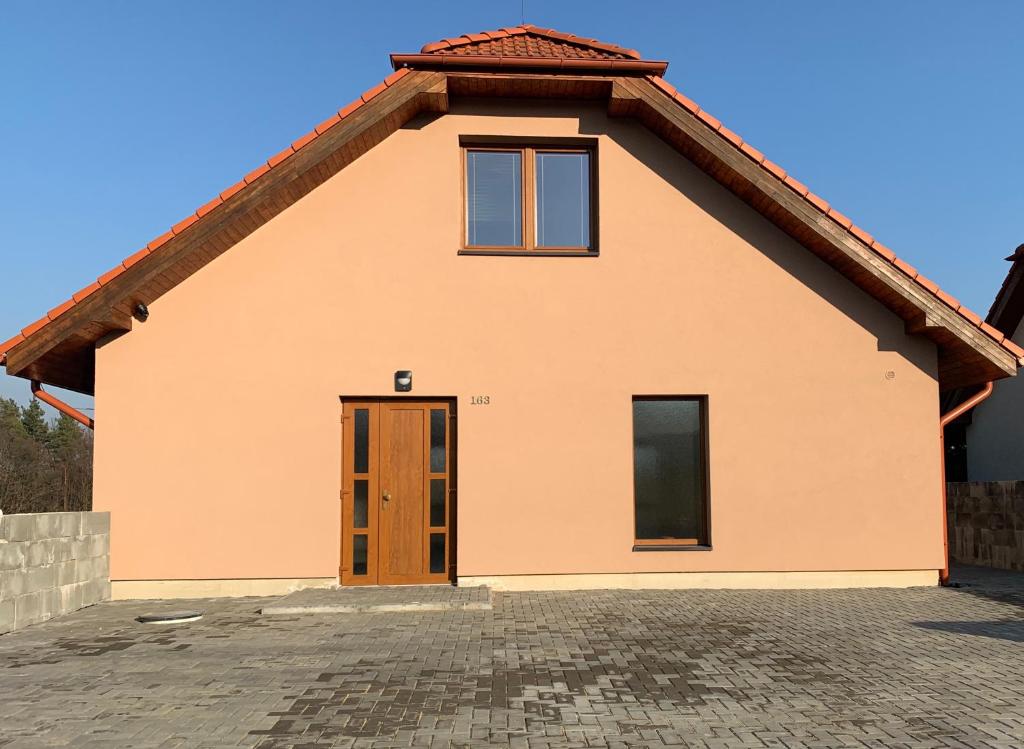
{"points": [[880, 668]]}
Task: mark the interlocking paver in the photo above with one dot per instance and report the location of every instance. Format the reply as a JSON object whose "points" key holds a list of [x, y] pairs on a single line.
{"points": [[789, 669]]}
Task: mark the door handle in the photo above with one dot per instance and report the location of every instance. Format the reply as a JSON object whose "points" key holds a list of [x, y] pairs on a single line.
{"points": [[386, 497]]}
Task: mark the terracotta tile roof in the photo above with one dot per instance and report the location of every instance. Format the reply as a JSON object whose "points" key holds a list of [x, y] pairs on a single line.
{"points": [[822, 205], [529, 41], [207, 208], [529, 46], [537, 45]]}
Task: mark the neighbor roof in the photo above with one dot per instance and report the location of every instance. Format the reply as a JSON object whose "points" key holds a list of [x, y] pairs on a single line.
{"points": [[1008, 307], [59, 348]]}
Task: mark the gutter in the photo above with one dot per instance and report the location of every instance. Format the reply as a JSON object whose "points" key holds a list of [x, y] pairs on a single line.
{"points": [[944, 420], [64, 408]]}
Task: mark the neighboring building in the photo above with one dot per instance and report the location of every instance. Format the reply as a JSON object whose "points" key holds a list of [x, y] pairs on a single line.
{"points": [[995, 430], [642, 352]]}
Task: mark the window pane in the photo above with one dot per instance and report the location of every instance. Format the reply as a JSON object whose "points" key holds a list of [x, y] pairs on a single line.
{"points": [[668, 473], [437, 502], [437, 552], [362, 441], [358, 555], [563, 200], [437, 426], [494, 198], [360, 504]]}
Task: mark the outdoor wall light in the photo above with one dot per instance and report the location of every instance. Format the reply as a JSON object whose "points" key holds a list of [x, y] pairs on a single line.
{"points": [[403, 381], [141, 312]]}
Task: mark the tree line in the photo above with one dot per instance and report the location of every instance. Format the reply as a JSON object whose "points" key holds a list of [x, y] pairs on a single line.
{"points": [[45, 465]]}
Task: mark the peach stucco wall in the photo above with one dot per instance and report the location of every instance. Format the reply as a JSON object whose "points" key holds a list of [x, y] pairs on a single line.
{"points": [[218, 440]]}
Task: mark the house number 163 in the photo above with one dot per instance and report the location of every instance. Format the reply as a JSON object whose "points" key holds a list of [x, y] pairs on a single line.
{"points": [[480, 400]]}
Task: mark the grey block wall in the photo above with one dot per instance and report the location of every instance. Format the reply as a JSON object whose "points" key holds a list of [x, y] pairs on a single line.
{"points": [[986, 523], [52, 563]]}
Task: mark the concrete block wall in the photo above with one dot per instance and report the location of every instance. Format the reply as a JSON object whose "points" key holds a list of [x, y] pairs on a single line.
{"points": [[986, 523], [52, 563]]}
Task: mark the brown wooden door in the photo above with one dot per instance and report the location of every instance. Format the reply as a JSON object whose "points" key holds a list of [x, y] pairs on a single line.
{"points": [[396, 492]]}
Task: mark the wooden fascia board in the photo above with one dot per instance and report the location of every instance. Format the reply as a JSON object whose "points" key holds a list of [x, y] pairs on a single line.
{"points": [[754, 182], [424, 89]]}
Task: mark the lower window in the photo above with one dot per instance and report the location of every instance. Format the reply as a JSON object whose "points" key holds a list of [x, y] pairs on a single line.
{"points": [[670, 472]]}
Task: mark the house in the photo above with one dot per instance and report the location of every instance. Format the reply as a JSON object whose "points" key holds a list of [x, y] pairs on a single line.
{"points": [[993, 433], [522, 315]]}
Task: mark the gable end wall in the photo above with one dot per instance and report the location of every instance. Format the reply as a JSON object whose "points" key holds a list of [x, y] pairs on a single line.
{"points": [[218, 435]]}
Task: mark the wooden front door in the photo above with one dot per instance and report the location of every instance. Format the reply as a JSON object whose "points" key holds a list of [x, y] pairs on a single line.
{"points": [[396, 492]]}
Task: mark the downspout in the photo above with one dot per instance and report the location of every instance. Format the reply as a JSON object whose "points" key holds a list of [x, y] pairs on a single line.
{"points": [[945, 419], [64, 408]]}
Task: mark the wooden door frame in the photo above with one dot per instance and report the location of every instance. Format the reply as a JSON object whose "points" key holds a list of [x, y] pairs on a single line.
{"points": [[346, 452]]}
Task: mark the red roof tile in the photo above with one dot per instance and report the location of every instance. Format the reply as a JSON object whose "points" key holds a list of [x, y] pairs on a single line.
{"points": [[974, 317], [60, 309], [993, 331], [748, 149], [862, 235], [256, 173], [80, 295], [133, 259], [109, 276], [688, 103], [209, 206], [307, 138], [11, 343], [186, 222], [37, 325], [161, 240], [949, 299], [884, 251], [1017, 350], [530, 41], [529, 46]]}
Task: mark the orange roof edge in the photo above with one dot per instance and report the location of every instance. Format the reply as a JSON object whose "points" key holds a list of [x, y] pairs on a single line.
{"points": [[656, 78], [823, 207], [210, 207]]}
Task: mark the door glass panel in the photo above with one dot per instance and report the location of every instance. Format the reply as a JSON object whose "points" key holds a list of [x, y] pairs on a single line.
{"points": [[361, 464], [359, 555], [437, 427], [563, 199], [437, 502], [668, 470], [494, 196], [437, 552], [360, 503]]}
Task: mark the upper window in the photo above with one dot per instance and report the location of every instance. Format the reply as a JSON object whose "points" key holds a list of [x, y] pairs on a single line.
{"points": [[670, 472], [532, 199]]}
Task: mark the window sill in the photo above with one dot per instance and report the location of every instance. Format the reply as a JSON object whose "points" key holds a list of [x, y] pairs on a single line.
{"points": [[532, 253], [672, 547]]}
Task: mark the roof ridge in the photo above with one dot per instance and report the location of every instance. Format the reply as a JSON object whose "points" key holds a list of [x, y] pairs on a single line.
{"points": [[823, 207], [526, 28]]}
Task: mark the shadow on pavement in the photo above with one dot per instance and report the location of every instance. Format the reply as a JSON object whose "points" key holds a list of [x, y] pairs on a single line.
{"points": [[1007, 629], [1000, 586]]}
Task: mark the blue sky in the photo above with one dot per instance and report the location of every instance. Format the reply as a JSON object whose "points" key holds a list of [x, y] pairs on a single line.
{"points": [[120, 118]]}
